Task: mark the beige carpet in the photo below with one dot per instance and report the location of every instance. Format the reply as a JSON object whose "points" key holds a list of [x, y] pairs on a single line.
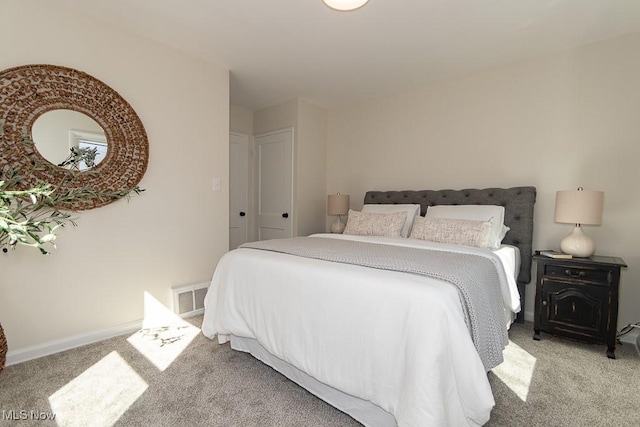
{"points": [[552, 382], [572, 384]]}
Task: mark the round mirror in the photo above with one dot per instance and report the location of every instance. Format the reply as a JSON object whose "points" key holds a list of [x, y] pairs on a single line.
{"points": [[69, 139], [34, 93]]}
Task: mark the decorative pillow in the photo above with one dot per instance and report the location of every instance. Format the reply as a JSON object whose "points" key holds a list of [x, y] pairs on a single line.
{"points": [[375, 224], [503, 233], [411, 210], [456, 231], [492, 213]]}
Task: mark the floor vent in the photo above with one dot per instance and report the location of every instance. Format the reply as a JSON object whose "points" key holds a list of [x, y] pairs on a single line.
{"points": [[188, 300]]}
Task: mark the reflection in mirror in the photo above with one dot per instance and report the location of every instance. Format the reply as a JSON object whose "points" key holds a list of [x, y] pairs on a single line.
{"points": [[57, 133]]}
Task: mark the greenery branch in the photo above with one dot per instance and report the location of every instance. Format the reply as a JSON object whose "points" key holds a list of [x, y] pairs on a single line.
{"points": [[30, 216], [78, 156]]}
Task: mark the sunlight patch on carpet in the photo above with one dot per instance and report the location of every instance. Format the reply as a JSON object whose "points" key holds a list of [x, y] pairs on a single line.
{"points": [[164, 335], [99, 396], [517, 370]]}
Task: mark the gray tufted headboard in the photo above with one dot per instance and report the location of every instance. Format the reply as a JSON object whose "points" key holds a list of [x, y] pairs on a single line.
{"points": [[518, 205]]}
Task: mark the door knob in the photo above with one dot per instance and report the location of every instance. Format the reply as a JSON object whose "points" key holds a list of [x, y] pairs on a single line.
{"points": [[242, 214], [285, 215]]}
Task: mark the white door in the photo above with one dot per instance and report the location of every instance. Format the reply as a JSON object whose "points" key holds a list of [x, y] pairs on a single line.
{"points": [[238, 189], [274, 164]]}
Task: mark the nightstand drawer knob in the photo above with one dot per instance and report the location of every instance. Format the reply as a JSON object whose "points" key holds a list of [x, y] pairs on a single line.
{"points": [[544, 303], [575, 274]]}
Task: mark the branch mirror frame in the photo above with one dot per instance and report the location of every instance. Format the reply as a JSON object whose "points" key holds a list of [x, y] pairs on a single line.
{"points": [[28, 91]]}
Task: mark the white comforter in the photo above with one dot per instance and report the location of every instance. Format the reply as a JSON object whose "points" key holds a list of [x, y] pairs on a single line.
{"points": [[396, 339]]}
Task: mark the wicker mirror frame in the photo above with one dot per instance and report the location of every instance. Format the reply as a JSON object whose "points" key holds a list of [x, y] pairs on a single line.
{"points": [[27, 92]]}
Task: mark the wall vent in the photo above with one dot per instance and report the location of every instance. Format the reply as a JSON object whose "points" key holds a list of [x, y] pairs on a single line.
{"points": [[188, 300]]}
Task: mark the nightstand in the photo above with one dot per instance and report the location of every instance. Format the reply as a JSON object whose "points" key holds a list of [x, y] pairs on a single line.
{"points": [[578, 298]]}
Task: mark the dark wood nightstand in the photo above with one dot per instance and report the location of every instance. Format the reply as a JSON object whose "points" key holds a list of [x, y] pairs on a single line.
{"points": [[578, 298]]}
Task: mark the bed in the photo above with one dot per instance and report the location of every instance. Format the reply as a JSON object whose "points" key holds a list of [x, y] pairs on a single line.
{"points": [[382, 331]]}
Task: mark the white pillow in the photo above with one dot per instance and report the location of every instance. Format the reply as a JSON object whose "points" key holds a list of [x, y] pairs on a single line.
{"points": [[492, 213], [455, 231], [504, 232], [375, 224], [412, 211]]}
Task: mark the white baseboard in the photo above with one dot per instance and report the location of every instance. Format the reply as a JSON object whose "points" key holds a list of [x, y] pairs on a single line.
{"points": [[52, 347]]}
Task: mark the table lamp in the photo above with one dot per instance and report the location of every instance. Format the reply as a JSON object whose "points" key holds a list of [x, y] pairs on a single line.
{"points": [[337, 204], [579, 207]]}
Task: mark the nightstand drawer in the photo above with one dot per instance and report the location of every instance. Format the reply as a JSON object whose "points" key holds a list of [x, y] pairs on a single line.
{"points": [[581, 273]]}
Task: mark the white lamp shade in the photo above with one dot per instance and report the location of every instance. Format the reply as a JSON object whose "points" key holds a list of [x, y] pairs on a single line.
{"points": [[579, 207], [338, 204], [345, 4]]}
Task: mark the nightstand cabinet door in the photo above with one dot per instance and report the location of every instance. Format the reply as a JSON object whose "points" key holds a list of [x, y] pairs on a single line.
{"points": [[578, 299], [579, 310]]}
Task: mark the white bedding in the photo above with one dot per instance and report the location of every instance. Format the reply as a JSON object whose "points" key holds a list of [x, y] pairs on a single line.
{"points": [[396, 339]]}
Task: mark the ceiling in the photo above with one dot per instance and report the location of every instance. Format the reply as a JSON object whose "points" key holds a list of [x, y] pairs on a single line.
{"points": [[281, 49]]}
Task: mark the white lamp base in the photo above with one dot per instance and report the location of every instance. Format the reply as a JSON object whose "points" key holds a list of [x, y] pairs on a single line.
{"points": [[578, 244], [337, 226]]}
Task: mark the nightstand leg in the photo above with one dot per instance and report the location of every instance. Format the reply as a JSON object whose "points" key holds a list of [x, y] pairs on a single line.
{"points": [[611, 352], [536, 334]]}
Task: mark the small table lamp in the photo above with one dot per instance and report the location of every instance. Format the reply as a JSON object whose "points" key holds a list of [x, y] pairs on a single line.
{"points": [[579, 207], [337, 204]]}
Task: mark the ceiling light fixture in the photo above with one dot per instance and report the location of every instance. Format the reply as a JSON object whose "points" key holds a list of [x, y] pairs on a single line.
{"points": [[345, 5]]}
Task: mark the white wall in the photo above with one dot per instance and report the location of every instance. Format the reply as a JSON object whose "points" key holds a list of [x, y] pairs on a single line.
{"points": [[556, 123], [173, 234], [311, 168], [240, 120]]}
